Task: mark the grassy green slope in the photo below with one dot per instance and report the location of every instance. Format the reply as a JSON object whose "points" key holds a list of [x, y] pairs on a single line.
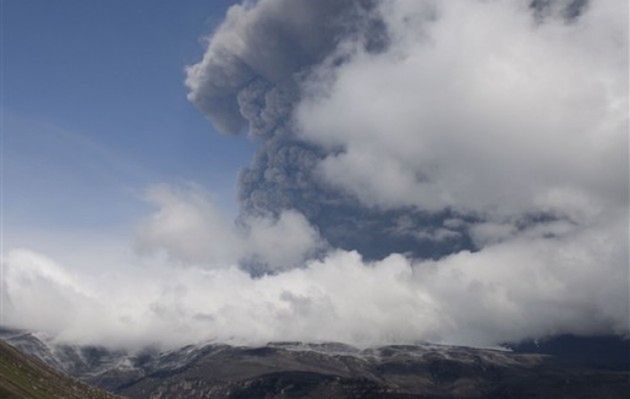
{"points": [[22, 376]]}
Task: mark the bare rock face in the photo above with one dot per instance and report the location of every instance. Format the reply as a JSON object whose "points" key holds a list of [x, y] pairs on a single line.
{"points": [[332, 370]]}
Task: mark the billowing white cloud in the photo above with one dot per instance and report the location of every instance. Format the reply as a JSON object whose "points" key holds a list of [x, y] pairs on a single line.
{"points": [[188, 227], [282, 243], [478, 106], [42, 295], [191, 230]]}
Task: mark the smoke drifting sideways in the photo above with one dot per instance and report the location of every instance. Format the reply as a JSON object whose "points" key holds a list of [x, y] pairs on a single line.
{"points": [[447, 171]]}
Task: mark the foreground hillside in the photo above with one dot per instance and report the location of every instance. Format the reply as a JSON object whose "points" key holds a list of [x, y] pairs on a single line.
{"points": [[23, 376]]}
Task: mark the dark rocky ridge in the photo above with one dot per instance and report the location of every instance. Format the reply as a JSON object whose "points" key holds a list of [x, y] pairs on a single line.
{"points": [[297, 370]]}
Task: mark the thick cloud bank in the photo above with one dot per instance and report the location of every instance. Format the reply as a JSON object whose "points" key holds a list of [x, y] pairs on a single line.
{"points": [[427, 170], [528, 286]]}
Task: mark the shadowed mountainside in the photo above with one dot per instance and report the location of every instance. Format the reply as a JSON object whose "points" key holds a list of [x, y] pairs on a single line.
{"points": [[334, 370], [339, 371]]}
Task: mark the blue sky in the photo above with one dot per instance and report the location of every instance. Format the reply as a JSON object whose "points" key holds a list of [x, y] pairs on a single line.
{"points": [[95, 111]]}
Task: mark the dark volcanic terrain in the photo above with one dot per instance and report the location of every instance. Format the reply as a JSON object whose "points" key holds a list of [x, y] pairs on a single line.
{"points": [[296, 370]]}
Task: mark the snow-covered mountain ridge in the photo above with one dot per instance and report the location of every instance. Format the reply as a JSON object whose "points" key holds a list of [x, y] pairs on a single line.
{"points": [[296, 369]]}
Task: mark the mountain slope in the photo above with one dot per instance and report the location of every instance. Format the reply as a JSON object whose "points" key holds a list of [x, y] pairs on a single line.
{"points": [[339, 371], [23, 376], [334, 370]]}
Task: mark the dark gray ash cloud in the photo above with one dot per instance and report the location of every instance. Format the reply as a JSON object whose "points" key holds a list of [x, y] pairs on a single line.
{"points": [[253, 86], [247, 79], [568, 9]]}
